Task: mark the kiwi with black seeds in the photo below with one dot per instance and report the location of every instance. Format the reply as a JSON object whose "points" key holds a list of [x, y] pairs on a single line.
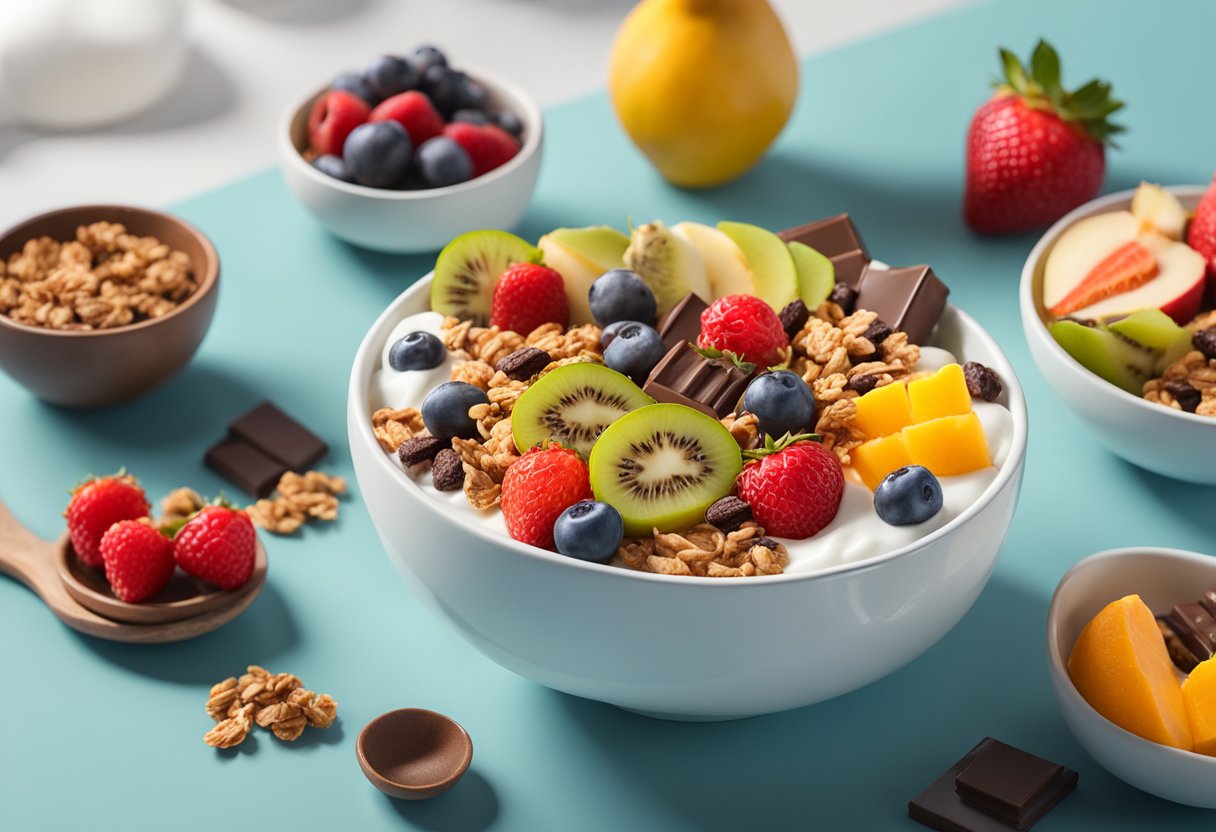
{"points": [[573, 405], [468, 268]]}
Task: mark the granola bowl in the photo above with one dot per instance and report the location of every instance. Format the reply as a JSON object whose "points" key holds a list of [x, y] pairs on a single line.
{"points": [[1172, 443], [677, 647], [82, 365]]}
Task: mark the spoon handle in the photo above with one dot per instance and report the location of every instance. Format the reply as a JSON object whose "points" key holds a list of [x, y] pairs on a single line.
{"points": [[25, 556]]}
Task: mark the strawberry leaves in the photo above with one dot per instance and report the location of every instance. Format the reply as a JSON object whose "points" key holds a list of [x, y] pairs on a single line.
{"points": [[713, 354]]}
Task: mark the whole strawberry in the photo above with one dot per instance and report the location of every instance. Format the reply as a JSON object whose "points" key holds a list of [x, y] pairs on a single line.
{"points": [[538, 487], [218, 545], [98, 504], [488, 145], [746, 326], [138, 560], [527, 296], [1202, 234], [794, 486], [1035, 151]]}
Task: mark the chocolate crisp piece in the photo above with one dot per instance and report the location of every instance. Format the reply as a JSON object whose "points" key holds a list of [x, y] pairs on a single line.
{"points": [[1195, 627], [524, 363], [710, 385], [419, 449], [862, 384], [245, 465], [1204, 340], [728, 514], [1182, 658], [794, 316], [982, 382], [844, 296], [876, 333], [837, 239], [910, 300], [447, 472], [1184, 393], [279, 436], [682, 322]]}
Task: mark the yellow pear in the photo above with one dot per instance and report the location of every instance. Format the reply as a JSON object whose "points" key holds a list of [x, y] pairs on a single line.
{"points": [[702, 87]]}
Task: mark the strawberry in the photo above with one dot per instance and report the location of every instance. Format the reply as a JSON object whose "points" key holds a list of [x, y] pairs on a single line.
{"points": [[413, 111], [218, 545], [793, 485], [1035, 151], [527, 296], [538, 487], [745, 326], [98, 504], [331, 119], [138, 560], [1202, 234], [488, 145]]}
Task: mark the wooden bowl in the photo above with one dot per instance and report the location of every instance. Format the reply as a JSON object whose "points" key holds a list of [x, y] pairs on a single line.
{"points": [[413, 753], [95, 368]]}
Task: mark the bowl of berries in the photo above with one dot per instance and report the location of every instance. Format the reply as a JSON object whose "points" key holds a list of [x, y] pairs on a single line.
{"points": [[1118, 308], [698, 472], [411, 152]]}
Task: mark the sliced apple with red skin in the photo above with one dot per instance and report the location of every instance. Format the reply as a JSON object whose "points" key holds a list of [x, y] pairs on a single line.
{"points": [[1095, 267], [1159, 210]]}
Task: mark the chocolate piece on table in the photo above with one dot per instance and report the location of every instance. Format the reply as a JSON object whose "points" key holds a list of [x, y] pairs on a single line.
{"points": [[836, 238], [279, 436], [245, 465], [1195, 627], [682, 322], [684, 376], [909, 300], [1008, 780]]}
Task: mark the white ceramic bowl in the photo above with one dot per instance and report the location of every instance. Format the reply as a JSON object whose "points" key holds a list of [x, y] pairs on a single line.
{"points": [[1162, 577], [421, 220], [684, 647], [1170, 442]]}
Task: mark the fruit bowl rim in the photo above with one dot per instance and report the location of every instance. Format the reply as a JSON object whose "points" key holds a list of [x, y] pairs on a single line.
{"points": [[359, 399], [1032, 305]]}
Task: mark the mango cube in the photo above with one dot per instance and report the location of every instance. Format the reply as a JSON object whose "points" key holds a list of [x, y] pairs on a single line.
{"points": [[875, 459], [1199, 696], [883, 411], [942, 394], [948, 446]]}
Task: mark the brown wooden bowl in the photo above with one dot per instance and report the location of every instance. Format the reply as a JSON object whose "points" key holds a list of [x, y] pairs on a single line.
{"points": [[413, 753], [94, 368]]}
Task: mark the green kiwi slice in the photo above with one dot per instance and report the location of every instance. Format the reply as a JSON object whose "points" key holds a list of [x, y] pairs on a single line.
{"points": [[661, 466], [572, 405], [468, 269]]}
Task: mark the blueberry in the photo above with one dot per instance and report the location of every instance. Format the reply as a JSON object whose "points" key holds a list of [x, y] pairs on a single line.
{"points": [[908, 496], [442, 86], [355, 84], [589, 530], [416, 351], [332, 165], [611, 331], [782, 401], [473, 96], [378, 153], [510, 122], [428, 56], [391, 74], [620, 295], [440, 161], [445, 410], [635, 350], [471, 117]]}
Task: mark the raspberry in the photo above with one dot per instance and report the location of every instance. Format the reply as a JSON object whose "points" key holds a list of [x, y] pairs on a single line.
{"points": [[413, 111], [527, 296], [98, 504], [488, 145], [138, 560], [745, 326], [335, 114], [218, 545], [537, 488]]}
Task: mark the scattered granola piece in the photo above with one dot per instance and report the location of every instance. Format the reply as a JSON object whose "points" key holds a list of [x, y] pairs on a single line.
{"points": [[232, 730], [297, 498], [278, 702]]}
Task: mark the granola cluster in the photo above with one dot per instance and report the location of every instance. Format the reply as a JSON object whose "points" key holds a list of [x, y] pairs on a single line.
{"points": [[708, 552], [103, 279], [298, 497], [1190, 382], [278, 702]]}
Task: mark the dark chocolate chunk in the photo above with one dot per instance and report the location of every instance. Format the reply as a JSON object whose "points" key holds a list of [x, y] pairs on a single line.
{"points": [[982, 382], [837, 239], [1204, 340], [1182, 658], [910, 300], [419, 449], [245, 466], [1009, 782], [682, 322], [684, 376], [279, 436], [1195, 627], [447, 472], [1188, 397], [794, 316], [850, 267], [845, 297], [862, 384], [524, 363], [728, 514], [766, 542], [1209, 601], [876, 333]]}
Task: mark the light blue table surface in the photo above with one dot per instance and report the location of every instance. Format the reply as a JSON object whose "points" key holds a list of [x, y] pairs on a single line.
{"points": [[96, 735]]}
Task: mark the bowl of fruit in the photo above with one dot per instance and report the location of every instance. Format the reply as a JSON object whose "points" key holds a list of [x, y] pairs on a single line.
{"points": [[411, 152], [1117, 309], [696, 472]]}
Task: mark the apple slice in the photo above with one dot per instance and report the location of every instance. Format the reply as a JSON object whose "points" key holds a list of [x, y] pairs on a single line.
{"points": [[1106, 355], [725, 265], [816, 274], [773, 271], [1128, 267], [580, 256], [1159, 210], [670, 266]]}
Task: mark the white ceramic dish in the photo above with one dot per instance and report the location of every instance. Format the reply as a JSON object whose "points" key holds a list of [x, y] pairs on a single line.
{"points": [[422, 220], [1166, 441], [1162, 577], [683, 647]]}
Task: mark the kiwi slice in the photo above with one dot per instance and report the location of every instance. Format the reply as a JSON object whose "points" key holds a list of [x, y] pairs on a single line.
{"points": [[572, 405], [469, 267], [661, 466]]}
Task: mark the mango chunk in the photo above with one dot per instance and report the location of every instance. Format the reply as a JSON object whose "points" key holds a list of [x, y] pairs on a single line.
{"points": [[942, 394], [948, 446], [1121, 667], [1199, 695], [883, 411], [875, 459]]}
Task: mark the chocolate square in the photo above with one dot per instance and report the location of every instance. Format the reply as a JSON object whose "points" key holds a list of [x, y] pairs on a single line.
{"points": [[1209, 601], [245, 465], [1195, 627], [1013, 785], [279, 436], [837, 239], [910, 300], [682, 322], [710, 385]]}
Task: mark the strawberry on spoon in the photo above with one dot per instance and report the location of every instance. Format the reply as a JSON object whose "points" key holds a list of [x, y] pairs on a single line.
{"points": [[1035, 151]]}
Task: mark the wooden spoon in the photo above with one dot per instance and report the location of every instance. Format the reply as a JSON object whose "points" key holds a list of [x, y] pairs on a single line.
{"points": [[181, 611]]}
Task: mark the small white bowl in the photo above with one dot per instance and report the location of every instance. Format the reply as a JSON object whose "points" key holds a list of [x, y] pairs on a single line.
{"points": [[1169, 442], [419, 220], [1162, 577]]}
